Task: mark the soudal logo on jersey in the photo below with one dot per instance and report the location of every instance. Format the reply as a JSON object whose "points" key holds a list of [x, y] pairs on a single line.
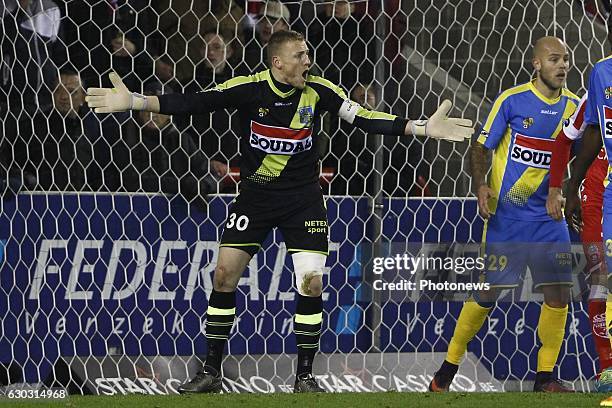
{"points": [[280, 140], [608, 92], [608, 121], [532, 151]]}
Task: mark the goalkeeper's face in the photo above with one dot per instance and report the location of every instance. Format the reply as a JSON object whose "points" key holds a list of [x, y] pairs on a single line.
{"points": [[294, 63]]}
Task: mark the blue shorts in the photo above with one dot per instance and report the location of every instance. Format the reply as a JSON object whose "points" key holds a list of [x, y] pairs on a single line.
{"points": [[510, 246]]}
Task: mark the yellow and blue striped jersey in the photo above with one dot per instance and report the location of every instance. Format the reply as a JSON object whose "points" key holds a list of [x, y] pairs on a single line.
{"points": [[520, 129]]}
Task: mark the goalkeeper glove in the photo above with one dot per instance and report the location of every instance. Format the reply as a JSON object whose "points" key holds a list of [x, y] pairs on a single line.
{"points": [[117, 99], [440, 126]]}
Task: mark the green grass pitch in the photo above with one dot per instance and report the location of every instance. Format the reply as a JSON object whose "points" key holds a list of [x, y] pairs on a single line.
{"points": [[370, 400]]}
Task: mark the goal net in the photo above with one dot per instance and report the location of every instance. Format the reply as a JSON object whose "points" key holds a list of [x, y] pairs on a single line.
{"points": [[109, 223]]}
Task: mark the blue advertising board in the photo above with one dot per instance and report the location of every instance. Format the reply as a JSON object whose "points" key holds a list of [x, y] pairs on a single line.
{"points": [[98, 274]]}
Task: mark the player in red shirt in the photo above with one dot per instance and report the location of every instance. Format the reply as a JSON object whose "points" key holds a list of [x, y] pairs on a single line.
{"points": [[591, 194]]}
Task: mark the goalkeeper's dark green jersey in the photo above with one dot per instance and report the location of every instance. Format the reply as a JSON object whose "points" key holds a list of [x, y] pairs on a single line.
{"points": [[278, 124]]}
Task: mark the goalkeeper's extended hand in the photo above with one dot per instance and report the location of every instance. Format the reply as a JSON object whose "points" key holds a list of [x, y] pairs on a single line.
{"points": [[117, 99], [440, 126]]}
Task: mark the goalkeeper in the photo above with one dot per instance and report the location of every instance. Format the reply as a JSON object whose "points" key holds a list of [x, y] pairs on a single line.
{"points": [[520, 129], [278, 110]]}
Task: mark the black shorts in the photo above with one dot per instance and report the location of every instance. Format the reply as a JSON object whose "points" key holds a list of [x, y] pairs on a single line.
{"points": [[301, 218]]}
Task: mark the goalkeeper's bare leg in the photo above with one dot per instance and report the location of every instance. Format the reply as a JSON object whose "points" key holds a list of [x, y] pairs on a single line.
{"points": [[220, 317], [221, 313], [308, 316]]}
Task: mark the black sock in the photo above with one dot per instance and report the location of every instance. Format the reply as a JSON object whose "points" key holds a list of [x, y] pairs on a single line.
{"points": [[448, 370], [305, 360], [543, 376], [219, 321], [307, 330]]}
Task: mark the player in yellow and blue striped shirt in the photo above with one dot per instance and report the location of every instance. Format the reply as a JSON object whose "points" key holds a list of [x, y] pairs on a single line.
{"points": [[520, 131]]}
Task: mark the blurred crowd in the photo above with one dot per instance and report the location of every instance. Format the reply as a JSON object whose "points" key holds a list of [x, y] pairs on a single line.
{"points": [[52, 50]]}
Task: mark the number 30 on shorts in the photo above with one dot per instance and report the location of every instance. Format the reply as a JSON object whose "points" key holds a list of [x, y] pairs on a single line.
{"points": [[241, 222]]}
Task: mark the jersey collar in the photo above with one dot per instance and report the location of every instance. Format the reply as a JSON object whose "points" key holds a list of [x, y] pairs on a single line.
{"points": [[542, 97], [276, 86]]}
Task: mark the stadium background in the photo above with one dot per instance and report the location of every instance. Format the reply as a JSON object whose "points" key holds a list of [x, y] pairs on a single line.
{"points": [[107, 251]]}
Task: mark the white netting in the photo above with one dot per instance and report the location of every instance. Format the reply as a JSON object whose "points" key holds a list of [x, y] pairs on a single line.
{"points": [[97, 264]]}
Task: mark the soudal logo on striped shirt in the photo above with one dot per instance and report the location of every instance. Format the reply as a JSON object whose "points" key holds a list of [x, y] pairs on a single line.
{"points": [[532, 151], [280, 140], [608, 121]]}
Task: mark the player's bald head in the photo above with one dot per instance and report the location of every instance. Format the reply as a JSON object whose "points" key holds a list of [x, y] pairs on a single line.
{"points": [[551, 63], [547, 45]]}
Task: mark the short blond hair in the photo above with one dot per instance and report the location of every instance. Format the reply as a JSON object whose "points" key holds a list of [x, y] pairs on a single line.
{"points": [[278, 39]]}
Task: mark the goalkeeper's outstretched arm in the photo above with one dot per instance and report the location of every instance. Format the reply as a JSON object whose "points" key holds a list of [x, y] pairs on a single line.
{"points": [[120, 99], [438, 126]]}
